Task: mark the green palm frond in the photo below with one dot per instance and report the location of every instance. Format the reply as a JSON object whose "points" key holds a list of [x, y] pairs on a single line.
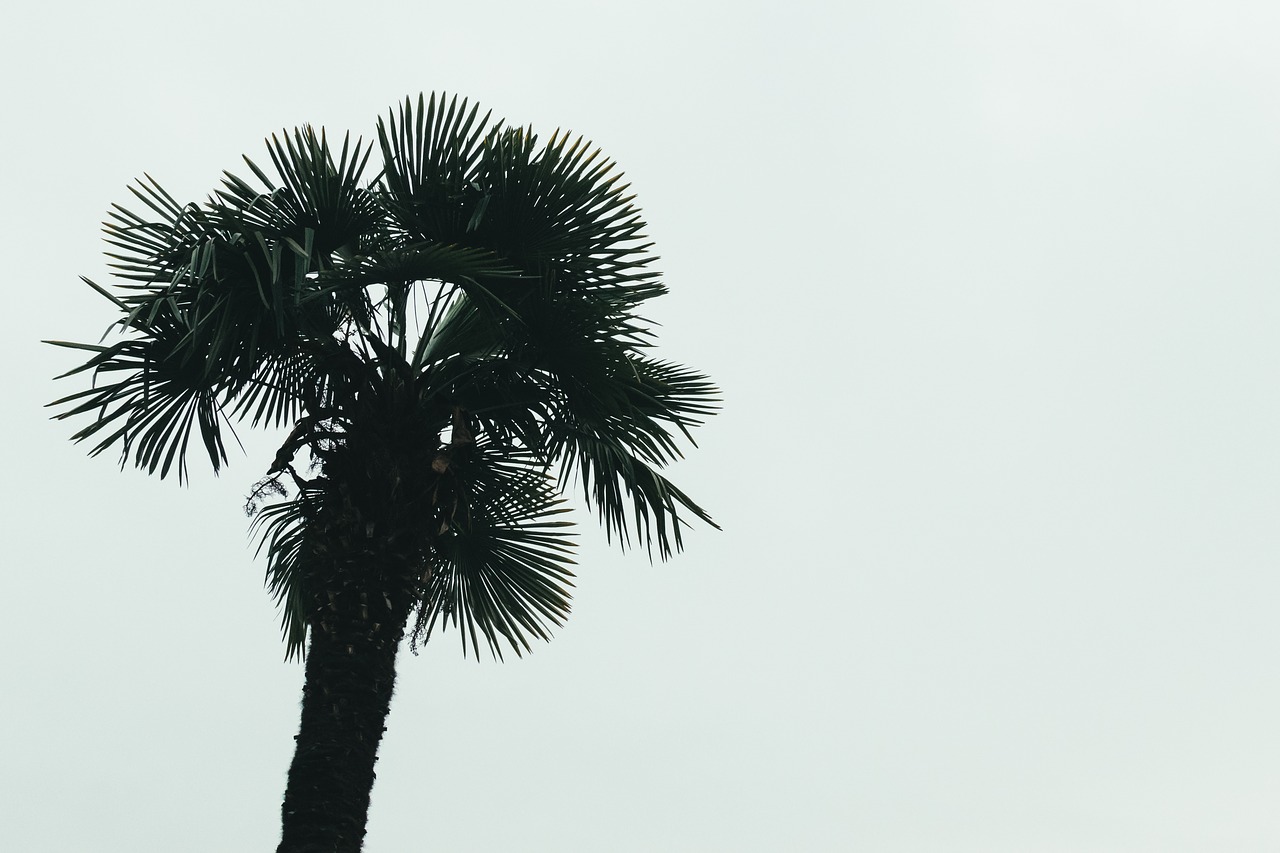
{"points": [[429, 155], [616, 435], [153, 397], [564, 212], [663, 392], [279, 529], [315, 194], [629, 495], [501, 567], [154, 251], [277, 392], [560, 211], [614, 416], [464, 329]]}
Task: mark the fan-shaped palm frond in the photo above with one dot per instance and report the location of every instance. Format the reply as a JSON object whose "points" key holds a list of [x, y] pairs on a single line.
{"points": [[429, 157], [500, 569], [562, 210], [315, 194], [280, 530], [154, 397]]}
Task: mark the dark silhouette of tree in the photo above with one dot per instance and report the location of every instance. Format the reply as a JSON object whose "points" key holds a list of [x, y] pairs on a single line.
{"points": [[450, 345]]}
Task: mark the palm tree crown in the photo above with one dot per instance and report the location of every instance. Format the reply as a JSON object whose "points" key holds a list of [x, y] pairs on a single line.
{"points": [[452, 343]]}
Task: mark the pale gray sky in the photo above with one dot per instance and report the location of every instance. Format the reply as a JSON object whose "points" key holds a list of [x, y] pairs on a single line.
{"points": [[992, 292]]}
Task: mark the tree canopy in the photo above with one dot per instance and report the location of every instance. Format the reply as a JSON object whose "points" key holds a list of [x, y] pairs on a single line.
{"points": [[464, 313]]}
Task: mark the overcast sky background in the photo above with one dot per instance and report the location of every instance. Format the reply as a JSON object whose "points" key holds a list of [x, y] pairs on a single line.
{"points": [[991, 290]]}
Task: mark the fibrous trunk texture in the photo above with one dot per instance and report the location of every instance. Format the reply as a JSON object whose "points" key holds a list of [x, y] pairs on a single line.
{"points": [[345, 700], [366, 540]]}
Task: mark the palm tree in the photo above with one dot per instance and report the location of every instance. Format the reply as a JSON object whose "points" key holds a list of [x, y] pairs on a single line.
{"points": [[452, 343]]}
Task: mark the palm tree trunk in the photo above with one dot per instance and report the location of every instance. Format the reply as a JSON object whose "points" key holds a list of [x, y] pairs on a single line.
{"points": [[361, 587], [366, 541], [345, 700]]}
